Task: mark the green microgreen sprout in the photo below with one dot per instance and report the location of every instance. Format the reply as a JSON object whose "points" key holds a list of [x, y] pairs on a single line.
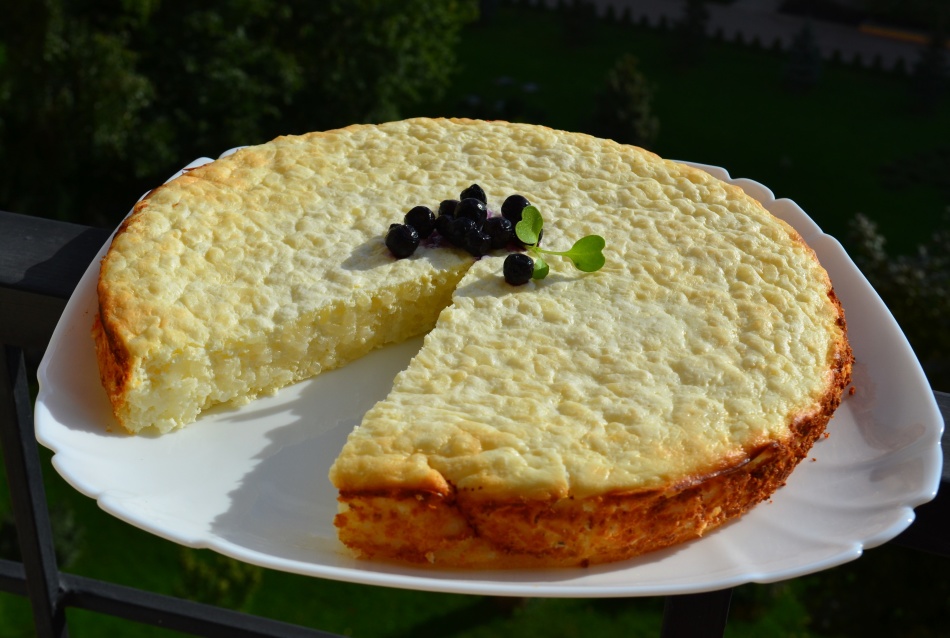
{"points": [[586, 253]]}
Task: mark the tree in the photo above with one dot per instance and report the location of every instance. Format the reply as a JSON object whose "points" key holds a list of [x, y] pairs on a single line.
{"points": [[930, 75], [916, 289], [579, 21], [690, 32], [103, 99], [803, 67], [624, 110]]}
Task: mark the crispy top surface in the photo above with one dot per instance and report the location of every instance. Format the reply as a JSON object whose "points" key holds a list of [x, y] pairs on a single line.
{"points": [[709, 329], [271, 233]]}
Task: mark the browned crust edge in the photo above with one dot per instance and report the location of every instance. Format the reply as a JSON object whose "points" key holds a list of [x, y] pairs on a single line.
{"points": [[459, 530], [112, 354], [114, 371]]}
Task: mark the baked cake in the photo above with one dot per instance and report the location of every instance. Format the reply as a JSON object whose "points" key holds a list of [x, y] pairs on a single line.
{"points": [[579, 419]]}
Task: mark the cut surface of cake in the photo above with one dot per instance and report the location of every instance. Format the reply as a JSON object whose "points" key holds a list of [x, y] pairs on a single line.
{"points": [[578, 419]]}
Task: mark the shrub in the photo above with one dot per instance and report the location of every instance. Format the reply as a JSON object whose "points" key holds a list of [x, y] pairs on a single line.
{"points": [[624, 110], [916, 289], [213, 579], [104, 99]]}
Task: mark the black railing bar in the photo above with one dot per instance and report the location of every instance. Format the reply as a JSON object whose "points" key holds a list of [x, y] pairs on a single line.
{"points": [[28, 497], [175, 613], [156, 609], [44, 256], [50, 592], [12, 577]]}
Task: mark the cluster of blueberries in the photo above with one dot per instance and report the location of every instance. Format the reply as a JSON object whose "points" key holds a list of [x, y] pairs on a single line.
{"points": [[463, 222]]}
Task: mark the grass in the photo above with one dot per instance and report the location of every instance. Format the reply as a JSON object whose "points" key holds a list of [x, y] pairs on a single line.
{"points": [[825, 149]]}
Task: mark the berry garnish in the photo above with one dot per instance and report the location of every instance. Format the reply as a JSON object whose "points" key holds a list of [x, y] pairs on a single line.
{"points": [[476, 192], [518, 268], [473, 209], [443, 224], [422, 219], [501, 231], [402, 240], [461, 227], [447, 207], [513, 206], [476, 242], [465, 223]]}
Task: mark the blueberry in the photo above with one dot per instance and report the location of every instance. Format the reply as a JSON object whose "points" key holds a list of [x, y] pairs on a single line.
{"points": [[402, 240], [518, 268], [443, 224], [422, 219], [475, 191], [513, 206], [461, 227], [473, 209], [501, 231], [447, 207], [476, 242]]}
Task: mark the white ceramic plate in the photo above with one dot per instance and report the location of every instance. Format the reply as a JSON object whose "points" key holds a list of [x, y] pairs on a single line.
{"points": [[251, 483]]}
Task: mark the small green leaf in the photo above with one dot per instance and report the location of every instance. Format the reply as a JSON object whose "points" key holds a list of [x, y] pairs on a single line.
{"points": [[587, 253], [540, 268], [529, 228]]}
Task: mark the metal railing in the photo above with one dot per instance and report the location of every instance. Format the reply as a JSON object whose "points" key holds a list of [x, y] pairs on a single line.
{"points": [[41, 261]]}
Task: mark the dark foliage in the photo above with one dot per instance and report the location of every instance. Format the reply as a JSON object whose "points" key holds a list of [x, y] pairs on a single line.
{"points": [[579, 19], [860, 599], [690, 33], [624, 110], [217, 580], [67, 536], [104, 97], [803, 64], [512, 101], [930, 168], [916, 289], [931, 73]]}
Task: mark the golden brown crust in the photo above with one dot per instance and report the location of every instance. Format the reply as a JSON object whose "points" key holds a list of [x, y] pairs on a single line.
{"points": [[458, 529], [111, 353], [114, 369]]}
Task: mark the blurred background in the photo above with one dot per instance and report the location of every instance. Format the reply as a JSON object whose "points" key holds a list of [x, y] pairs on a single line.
{"points": [[840, 105]]}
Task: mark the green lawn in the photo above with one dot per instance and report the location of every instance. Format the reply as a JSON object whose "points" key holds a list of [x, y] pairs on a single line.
{"points": [[825, 149]]}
